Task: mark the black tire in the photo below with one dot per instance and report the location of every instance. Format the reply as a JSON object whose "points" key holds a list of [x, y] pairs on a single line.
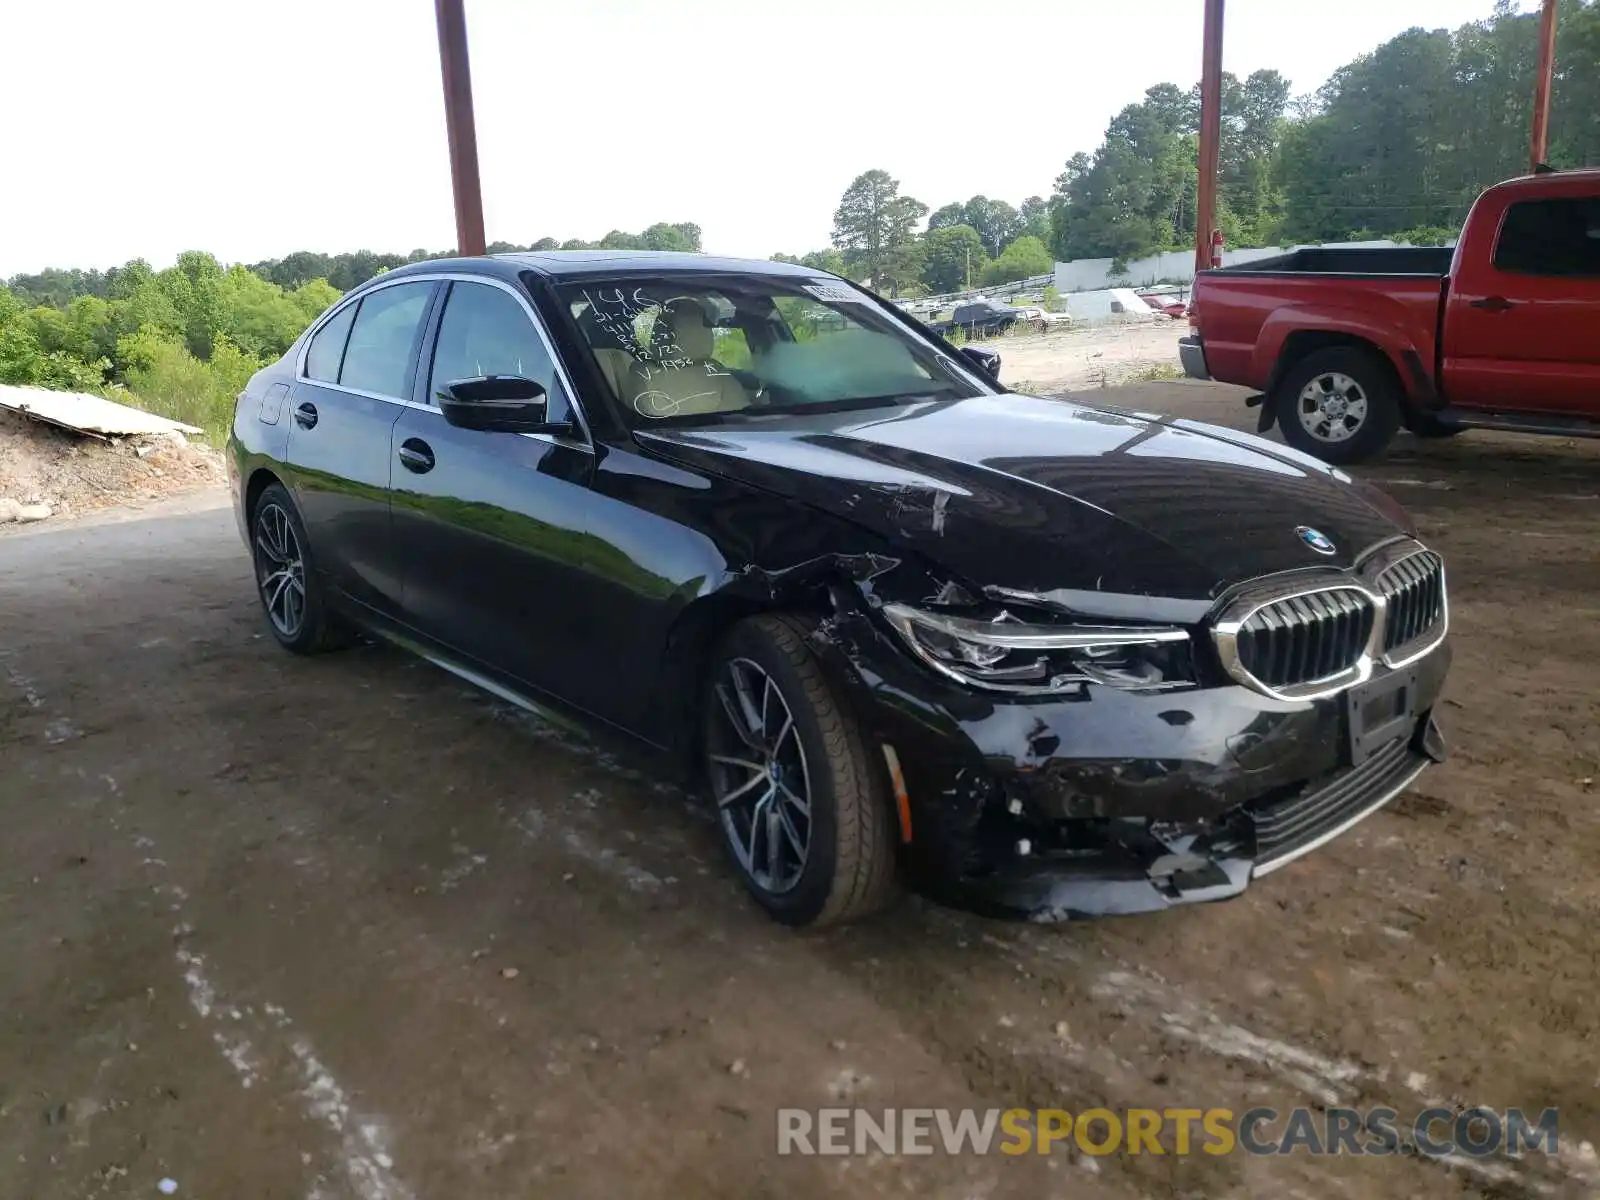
{"points": [[280, 553], [1425, 426], [847, 867], [1370, 381]]}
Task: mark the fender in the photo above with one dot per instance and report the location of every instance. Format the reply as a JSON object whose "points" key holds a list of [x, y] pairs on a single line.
{"points": [[1386, 323]]}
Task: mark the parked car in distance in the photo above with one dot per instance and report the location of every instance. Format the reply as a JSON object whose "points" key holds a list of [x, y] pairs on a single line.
{"points": [[981, 318], [1165, 302], [1037, 656], [1347, 345]]}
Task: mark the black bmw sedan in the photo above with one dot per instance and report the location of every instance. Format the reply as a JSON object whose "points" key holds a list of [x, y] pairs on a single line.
{"points": [[903, 624]]}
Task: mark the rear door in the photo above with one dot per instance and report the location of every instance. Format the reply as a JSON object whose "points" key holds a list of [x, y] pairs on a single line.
{"points": [[1520, 329], [492, 526], [354, 376]]}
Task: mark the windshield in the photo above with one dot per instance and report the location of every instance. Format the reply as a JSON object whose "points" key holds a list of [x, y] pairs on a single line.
{"points": [[700, 348]]}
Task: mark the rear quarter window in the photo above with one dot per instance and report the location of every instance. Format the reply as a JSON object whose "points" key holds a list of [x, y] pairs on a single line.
{"points": [[326, 351]]}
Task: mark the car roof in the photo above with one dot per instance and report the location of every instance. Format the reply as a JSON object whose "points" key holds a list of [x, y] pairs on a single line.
{"points": [[628, 262], [578, 264]]}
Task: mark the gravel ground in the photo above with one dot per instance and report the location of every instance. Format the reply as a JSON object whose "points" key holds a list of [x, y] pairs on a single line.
{"points": [[344, 928]]}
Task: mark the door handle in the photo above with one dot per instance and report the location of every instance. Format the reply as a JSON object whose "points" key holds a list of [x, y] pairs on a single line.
{"points": [[305, 415], [1493, 304], [416, 455]]}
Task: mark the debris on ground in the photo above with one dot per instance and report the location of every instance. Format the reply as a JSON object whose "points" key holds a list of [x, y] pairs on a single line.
{"points": [[47, 471], [84, 413], [14, 510]]}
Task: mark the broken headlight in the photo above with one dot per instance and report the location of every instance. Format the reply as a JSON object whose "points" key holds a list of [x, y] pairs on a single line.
{"points": [[1004, 654]]}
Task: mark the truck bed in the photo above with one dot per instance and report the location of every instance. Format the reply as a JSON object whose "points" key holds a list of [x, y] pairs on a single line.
{"points": [[1359, 261]]}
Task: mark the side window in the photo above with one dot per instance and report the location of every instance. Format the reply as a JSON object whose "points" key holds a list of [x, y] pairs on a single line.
{"points": [[327, 347], [485, 331], [731, 348], [378, 357], [1550, 237]]}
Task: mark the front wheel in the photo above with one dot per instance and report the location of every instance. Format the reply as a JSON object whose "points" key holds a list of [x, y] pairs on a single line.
{"points": [[1341, 404], [799, 799]]}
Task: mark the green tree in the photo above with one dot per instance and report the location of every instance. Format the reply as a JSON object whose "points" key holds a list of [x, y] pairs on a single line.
{"points": [[1035, 217], [875, 229], [825, 260], [1022, 259], [995, 220], [256, 316], [954, 258], [684, 236], [313, 299], [817, 260]]}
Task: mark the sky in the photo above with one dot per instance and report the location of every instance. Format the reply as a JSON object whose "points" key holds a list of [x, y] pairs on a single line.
{"points": [[252, 128]]}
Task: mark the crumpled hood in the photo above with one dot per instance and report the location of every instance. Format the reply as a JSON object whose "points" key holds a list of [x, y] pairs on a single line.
{"points": [[1038, 495]]}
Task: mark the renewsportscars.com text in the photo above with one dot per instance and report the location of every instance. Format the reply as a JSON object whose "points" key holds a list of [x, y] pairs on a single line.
{"points": [[1479, 1132]]}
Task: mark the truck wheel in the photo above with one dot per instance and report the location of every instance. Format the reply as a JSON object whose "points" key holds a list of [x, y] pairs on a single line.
{"points": [[1341, 404], [800, 798]]}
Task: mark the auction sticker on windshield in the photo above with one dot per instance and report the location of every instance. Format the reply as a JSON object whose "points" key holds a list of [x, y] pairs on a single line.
{"points": [[833, 293]]}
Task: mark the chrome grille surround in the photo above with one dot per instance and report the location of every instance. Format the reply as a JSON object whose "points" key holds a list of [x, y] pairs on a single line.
{"points": [[1287, 601], [1312, 609], [1411, 580]]}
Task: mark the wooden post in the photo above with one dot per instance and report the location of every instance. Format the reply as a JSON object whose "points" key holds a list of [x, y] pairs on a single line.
{"points": [[1539, 149], [459, 126], [1205, 216]]}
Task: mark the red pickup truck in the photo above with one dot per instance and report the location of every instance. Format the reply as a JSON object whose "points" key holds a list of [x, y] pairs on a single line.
{"points": [[1347, 345]]}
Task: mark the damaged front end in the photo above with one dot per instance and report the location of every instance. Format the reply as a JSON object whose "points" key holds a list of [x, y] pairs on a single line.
{"points": [[1113, 782]]}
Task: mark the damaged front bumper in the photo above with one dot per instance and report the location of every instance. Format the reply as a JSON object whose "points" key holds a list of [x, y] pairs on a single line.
{"points": [[1114, 802], [1145, 866]]}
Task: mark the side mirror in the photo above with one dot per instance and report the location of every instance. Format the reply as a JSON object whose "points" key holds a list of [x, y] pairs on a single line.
{"points": [[987, 361], [497, 404]]}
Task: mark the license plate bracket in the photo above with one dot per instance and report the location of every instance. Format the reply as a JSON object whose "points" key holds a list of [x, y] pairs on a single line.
{"points": [[1379, 711]]}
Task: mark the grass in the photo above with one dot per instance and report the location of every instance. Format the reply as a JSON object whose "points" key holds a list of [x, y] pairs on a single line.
{"points": [[1155, 373]]}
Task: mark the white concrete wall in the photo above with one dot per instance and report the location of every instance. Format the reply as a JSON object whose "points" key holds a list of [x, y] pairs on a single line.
{"points": [[1085, 274]]}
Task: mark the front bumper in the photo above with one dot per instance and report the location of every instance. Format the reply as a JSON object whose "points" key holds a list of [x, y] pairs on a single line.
{"points": [[1117, 802], [1193, 357]]}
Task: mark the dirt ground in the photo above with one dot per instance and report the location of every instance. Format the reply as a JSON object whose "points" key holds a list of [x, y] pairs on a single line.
{"points": [[344, 927], [1089, 356], [74, 474]]}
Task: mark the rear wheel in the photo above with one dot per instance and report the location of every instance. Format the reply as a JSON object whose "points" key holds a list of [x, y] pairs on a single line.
{"points": [[292, 597], [1341, 404], [800, 800]]}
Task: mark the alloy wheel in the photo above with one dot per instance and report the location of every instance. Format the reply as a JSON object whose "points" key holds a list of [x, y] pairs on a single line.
{"points": [[280, 570], [759, 776], [1332, 406]]}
